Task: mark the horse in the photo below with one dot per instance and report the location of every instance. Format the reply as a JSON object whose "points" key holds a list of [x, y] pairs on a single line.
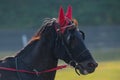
{"points": [[58, 38]]}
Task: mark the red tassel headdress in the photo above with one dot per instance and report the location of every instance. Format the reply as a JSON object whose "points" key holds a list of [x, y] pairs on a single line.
{"points": [[63, 19]]}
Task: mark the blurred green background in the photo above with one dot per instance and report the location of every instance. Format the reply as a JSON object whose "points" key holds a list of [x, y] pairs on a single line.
{"points": [[29, 13], [99, 19]]}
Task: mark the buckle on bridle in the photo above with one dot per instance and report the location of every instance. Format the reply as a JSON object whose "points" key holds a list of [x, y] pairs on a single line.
{"points": [[73, 63], [37, 72], [76, 65]]}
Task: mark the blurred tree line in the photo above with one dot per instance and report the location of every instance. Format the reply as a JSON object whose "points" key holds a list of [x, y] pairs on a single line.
{"points": [[30, 13]]}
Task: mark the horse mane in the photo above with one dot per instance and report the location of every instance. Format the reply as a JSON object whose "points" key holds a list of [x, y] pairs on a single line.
{"points": [[47, 22], [37, 36]]}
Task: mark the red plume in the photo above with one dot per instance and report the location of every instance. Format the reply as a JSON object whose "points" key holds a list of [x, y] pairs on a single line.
{"points": [[69, 12], [61, 17]]}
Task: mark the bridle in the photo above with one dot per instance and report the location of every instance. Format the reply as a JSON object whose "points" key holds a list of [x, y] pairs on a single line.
{"points": [[72, 62]]}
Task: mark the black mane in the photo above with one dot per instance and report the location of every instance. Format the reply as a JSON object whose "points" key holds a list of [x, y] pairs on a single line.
{"points": [[48, 22]]}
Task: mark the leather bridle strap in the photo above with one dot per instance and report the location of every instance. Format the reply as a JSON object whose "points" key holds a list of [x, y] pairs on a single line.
{"points": [[33, 72]]}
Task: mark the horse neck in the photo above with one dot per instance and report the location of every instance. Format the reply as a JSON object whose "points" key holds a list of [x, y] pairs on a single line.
{"points": [[39, 55]]}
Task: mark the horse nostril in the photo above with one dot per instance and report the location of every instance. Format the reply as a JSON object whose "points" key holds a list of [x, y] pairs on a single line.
{"points": [[96, 64], [92, 65]]}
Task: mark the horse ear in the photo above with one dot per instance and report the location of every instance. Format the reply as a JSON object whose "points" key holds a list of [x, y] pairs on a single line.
{"points": [[61, 17], [69, 12]]}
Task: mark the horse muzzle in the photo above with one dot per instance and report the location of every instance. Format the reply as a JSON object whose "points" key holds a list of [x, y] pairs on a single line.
{"points": [[80, 69]]}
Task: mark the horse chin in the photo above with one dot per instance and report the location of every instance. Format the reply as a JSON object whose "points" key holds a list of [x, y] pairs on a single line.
{"points": [[84, 72], [81, 70]]}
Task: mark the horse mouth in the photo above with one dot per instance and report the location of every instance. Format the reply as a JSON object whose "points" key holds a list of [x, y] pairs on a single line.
{"points": [[84, 72], [81, 70]]}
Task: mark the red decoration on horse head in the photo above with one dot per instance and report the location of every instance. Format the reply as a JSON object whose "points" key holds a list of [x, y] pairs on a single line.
{"points": [[69, 13], [63, 19]]}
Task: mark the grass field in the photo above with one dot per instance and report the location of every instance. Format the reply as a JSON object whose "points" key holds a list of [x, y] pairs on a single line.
{"points": [[108, 69], [105, 71]]}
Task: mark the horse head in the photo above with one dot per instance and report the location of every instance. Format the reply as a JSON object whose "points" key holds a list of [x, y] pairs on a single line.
{"points": [[61, 38], [69, 45]]}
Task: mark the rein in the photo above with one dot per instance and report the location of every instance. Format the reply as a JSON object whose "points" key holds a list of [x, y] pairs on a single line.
{"points": [[34, 72]]}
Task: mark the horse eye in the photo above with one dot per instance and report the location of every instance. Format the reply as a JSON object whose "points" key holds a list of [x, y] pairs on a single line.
{"points": [[73, 42]]}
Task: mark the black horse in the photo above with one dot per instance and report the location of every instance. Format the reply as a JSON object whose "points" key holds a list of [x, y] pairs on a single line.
{"points": [[57, 39]]}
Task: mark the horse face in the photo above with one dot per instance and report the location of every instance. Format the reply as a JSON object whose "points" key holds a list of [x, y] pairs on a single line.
{"points": [[79, 55], [70, 47]]}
